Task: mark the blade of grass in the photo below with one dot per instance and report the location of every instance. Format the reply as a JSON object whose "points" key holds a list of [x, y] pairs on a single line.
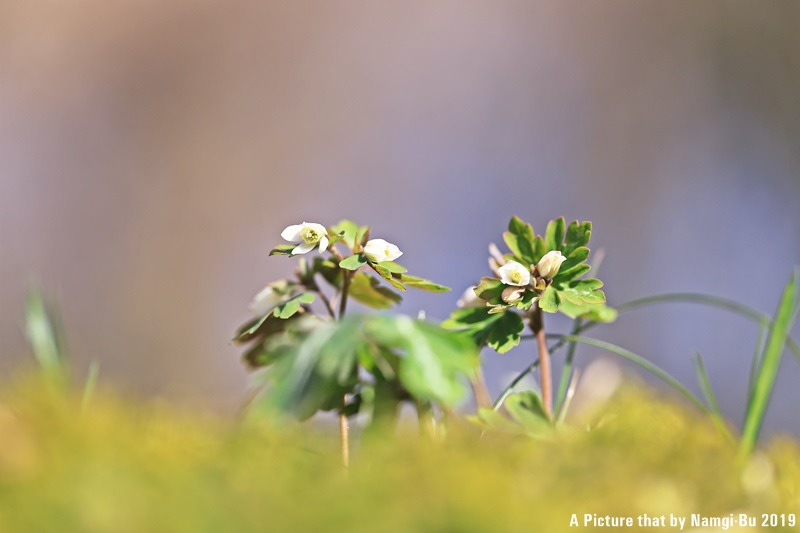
{"points": [[710, 301], [42, 335], [755, 362], [708, 393], [90, 384], [768, 367], [566, 370], [573, 384], [654, 369]]}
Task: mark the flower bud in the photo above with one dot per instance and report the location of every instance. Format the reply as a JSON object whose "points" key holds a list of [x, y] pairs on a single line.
{"points": [[549, 264], [265, 301], [496, 259], [378, 250], [512, 294], [470, 299], [513, 273]]}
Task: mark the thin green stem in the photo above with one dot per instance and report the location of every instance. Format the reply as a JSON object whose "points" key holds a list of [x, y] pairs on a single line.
{"points": [[514, 382], [566, 370]]}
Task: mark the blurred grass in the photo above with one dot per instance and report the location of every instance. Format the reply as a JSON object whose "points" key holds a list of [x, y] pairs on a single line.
{"points": [[119, 466]]}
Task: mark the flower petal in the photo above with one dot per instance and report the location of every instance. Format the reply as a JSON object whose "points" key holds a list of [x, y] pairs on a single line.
{"points": [[323, 244], [292, 233], [303, 248], [394, 253]]}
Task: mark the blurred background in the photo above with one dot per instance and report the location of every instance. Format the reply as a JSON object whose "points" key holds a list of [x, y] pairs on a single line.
{"points": [[151, 152]]}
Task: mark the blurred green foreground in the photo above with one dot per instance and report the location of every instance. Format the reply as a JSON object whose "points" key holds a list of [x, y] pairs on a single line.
{"points": [[120, 467]]}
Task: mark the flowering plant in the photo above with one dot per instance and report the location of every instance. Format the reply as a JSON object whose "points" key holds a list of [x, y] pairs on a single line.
{"points": [[316, 359]]}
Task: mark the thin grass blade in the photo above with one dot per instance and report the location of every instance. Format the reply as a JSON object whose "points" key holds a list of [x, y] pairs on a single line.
{"points": [[90, 384], [767, 371], [566, 370], [755, 362], [654, 369], [708, 393], [42, 335]]}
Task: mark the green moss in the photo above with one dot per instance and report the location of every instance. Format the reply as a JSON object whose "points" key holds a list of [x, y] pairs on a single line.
{"points": [[121, 467]]}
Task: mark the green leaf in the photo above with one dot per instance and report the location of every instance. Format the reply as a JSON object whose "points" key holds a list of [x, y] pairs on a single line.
{"points": [[292, 306], [520, 240], [329, 271], [362, 236], [283, 249], [575, 272], [501, 331], [571, 309], [354, 262], [490, 290], [434, 362], [504, 332], [422, 284], [584, 290], [588, 311], [600, 313], [575, 260], [578, 234], [554, 235], [393, 267], [527, 409], [526, 414], [549, 300], [387, 275], [347, 229], [767, 371], [317, 372], [366, 289]]}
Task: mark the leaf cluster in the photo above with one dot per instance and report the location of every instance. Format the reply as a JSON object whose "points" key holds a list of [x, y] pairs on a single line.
{"points": [[400, 359], [568, 291], [378, 285]]}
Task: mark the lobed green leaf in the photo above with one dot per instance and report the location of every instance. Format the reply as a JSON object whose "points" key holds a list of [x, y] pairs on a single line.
{"points": [[366, 290]]}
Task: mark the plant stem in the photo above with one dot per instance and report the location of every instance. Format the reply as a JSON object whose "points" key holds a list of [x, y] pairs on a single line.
{"points": [[344, 437], [537, 325], [345, 288], [478, 382], [344, 433]]}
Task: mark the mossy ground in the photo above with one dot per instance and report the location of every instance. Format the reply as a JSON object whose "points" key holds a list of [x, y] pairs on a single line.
{"points": [[120, 467]]}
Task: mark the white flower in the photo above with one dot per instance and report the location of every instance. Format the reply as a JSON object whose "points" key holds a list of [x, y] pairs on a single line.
{"points": [[470, 299], [378, 250], [265, 301], [308, 235], [513, 273], [549, 264]]}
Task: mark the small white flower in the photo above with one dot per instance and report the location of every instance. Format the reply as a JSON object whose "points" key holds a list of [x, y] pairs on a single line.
{"points": [[308, 235], [265, 301], [378, 250], [513, 273], [549, 264], [470, 299]]}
